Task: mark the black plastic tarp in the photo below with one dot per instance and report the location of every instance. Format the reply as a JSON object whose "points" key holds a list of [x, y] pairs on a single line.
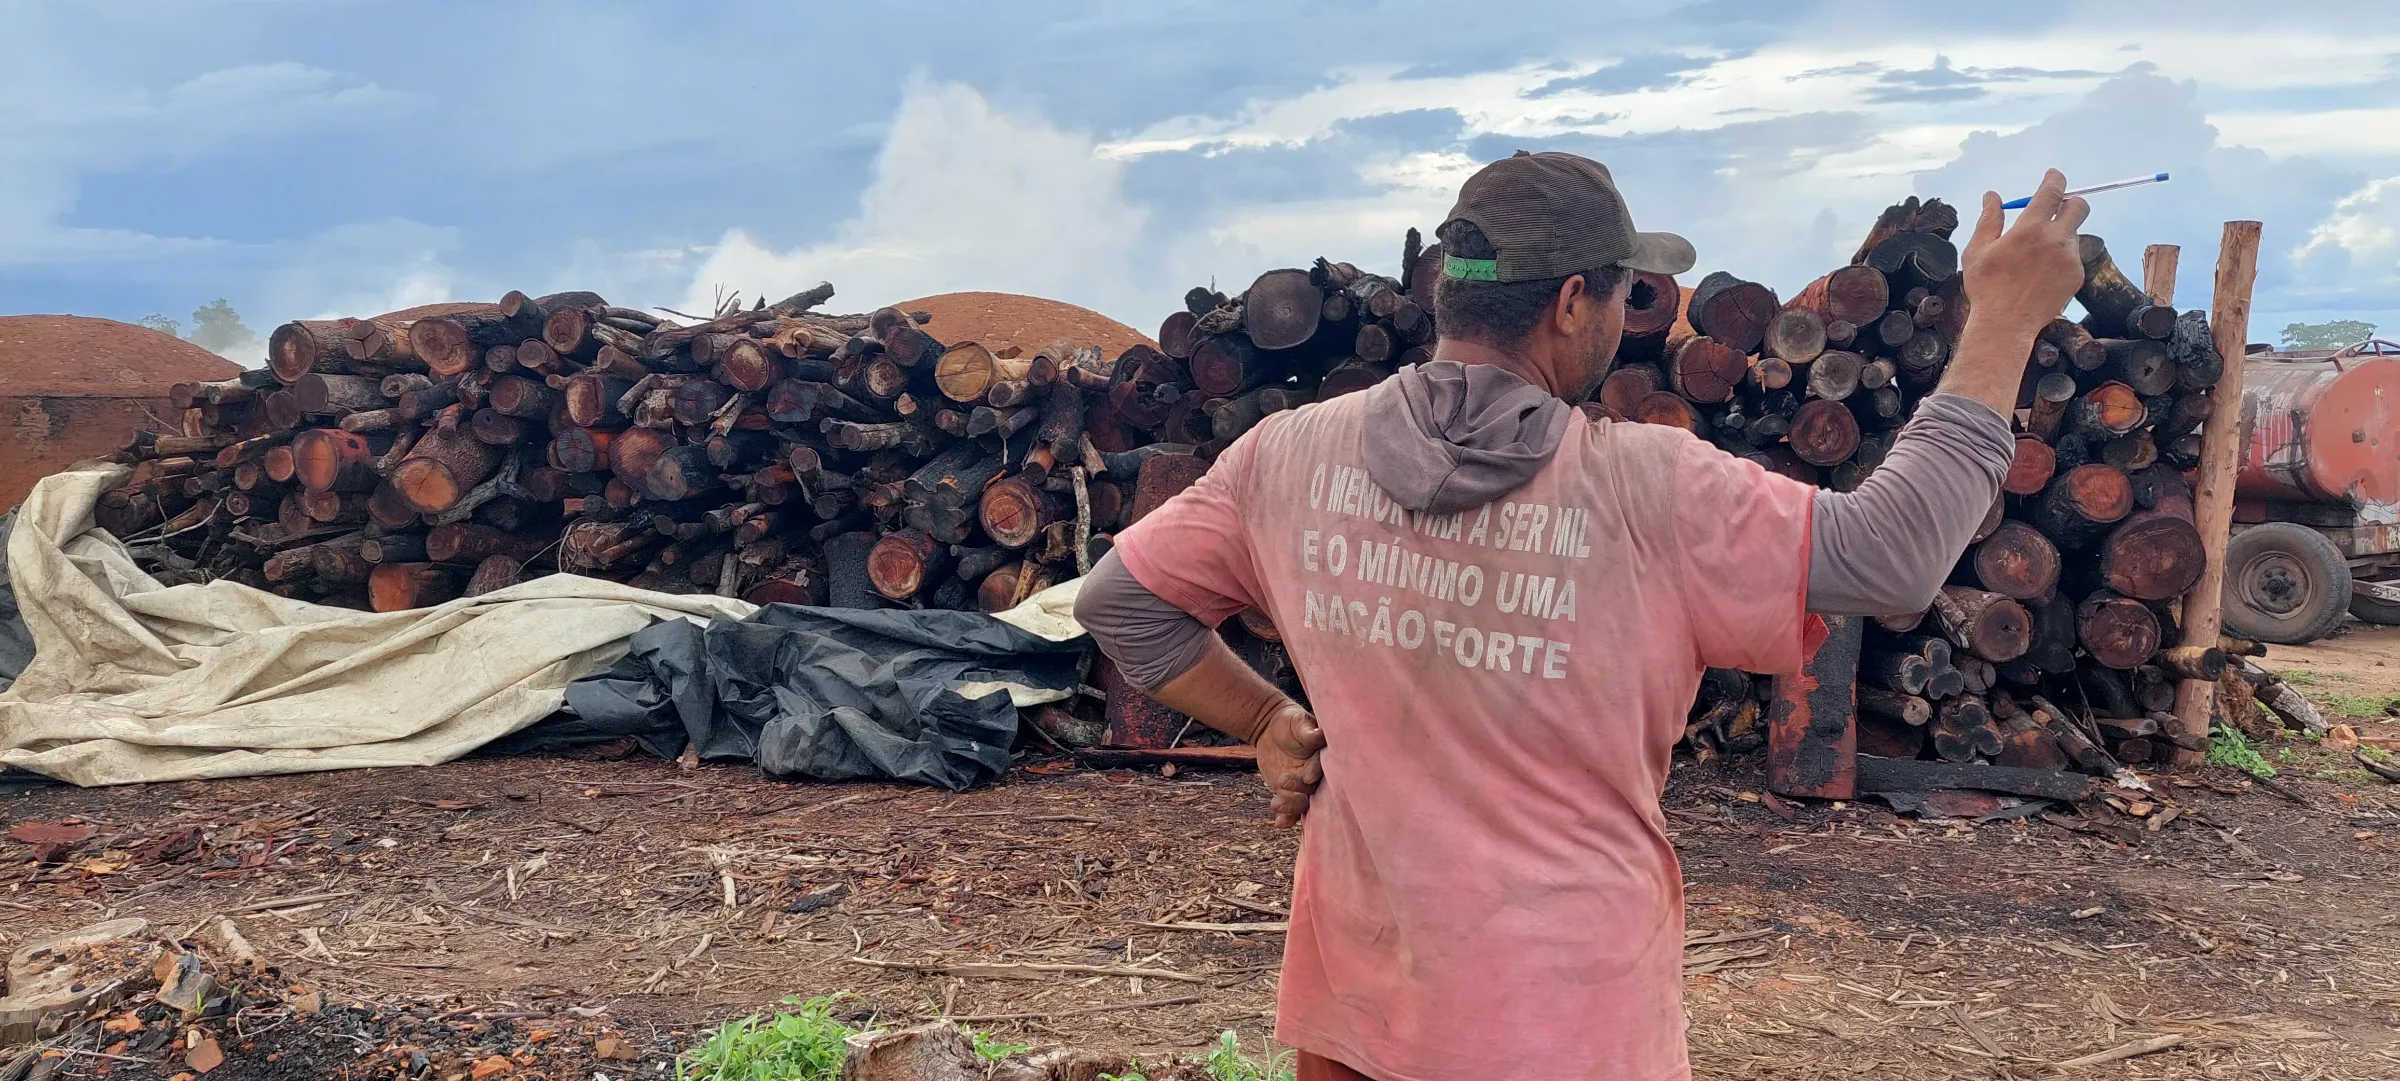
{"points": [[829, 694]]}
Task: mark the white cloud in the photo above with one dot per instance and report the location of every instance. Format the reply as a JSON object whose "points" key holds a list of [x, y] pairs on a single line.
{"points": [[965, 196], [2351, 260], [2328, 133], [1788, 79]]}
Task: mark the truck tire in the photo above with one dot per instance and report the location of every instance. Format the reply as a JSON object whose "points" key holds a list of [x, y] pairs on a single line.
{"points": [[2284, 584], [2370, 610]]}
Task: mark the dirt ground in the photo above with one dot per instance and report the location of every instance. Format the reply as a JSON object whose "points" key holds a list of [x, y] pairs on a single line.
{"points": [[2361, 661], [543, 901]]}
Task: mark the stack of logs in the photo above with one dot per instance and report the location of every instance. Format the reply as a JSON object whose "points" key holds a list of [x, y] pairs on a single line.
{"points": [[2047, 648], [773, 453], [1224, 363], [778, 454]]}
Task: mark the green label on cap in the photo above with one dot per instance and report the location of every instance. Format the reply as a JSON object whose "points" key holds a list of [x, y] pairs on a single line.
{"points": [[1474, 270]]}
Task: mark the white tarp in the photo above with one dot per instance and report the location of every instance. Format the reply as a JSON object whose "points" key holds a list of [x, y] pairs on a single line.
{"points": [[133, 681]]}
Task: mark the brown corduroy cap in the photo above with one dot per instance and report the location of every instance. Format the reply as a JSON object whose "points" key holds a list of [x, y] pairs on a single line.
{"points": [[1551, 214]]}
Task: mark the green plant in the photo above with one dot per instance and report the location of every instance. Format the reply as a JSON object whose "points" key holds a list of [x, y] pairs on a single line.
{"points": [[803, 1045], [2229, 747], [991, 1049], [2297, 678], [1228, 1063], [2360, 705], [2375, 754], [1130, 1075]]}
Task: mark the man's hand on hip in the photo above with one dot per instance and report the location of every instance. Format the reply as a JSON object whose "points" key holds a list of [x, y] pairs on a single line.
{"points": [[1288, 762], [1223, 693]]}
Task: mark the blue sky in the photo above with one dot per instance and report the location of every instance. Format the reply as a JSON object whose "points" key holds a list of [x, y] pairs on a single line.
{"points": [[312, 158]]}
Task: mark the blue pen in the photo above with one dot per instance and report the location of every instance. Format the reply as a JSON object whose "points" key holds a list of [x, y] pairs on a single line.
{"points": [[2154, 178]]}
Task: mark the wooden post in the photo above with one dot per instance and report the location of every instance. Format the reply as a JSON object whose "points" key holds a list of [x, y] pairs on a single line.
{"points": [[2212, 491], [2158, 273]]}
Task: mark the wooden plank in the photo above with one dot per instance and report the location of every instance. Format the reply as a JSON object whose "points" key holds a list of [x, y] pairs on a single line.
{"points": [[1812, 725], [2212, 492]]}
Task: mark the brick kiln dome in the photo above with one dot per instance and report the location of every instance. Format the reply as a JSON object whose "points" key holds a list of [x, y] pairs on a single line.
{"points": [[1029, 323], [74, 356]]}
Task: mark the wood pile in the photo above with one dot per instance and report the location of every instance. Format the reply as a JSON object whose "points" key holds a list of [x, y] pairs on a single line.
{"points": [[1295, 336], [2048, 649], [774, 453], [782, 455]]}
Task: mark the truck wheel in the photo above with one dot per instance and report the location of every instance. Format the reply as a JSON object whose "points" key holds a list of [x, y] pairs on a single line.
{"points": [[2371, 610], [2284, 584]]}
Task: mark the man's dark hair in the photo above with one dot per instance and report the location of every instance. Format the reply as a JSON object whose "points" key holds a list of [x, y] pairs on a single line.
{"points": [[1500, 314]]}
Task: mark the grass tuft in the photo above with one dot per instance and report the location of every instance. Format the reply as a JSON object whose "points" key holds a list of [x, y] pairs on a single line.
{"points": [[2229, 747], [802, 1045], [991, 1049], [2362, 706], [1228, 1063]]}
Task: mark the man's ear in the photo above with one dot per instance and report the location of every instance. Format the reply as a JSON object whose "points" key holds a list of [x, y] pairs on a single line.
{"points": [[1574, 302]]}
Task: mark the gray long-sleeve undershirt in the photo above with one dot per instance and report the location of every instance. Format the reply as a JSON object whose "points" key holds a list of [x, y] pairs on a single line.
{"points": [[1883, 548]]}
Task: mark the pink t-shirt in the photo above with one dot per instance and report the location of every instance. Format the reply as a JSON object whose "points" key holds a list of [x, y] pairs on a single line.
{"points": [[1485, 888]]}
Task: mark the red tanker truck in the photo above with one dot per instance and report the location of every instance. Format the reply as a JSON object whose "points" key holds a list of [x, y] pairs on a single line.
{"points": [[2317, 506]]}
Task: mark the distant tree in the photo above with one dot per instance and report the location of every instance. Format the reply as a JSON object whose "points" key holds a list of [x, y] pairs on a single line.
{"points": [[2333, 335], [218, 329], [161, 324]]}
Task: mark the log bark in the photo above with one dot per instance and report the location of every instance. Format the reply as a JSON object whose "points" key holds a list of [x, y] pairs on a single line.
{"points": [[1795, 336], [470, 543], [2206, 663], [2117, 631], [1281, 309], [2109, 298], [1985, 624], [679, 473], [297, 348], [1704, 369], [1824, 433], [2152, 556], [517, 396], [1622, 391], [903, 563], [444, 465], [1014, 513], [452, 343], [1653, 303], [2139, 363], [397, 587], [338, 395], [494, 573], [1899, 672], [2016, 561], [1733, 312], [1962, 731], [330, 460], [1835, 375], [1669, 408], [2029, 472], [2053, 396], [2081, 502], [1907, 709], [1853, 294]]}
